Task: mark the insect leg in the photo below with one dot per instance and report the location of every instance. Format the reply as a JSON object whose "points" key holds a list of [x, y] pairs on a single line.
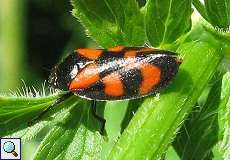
{"points": [[99, 118], [58, 101]]}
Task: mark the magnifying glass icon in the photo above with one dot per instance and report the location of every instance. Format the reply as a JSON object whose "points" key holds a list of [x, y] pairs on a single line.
{"points": [[9, 147]]}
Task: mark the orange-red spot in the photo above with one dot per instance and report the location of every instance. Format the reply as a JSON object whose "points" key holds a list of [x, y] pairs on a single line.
{"points": [[116, 49], [130, 54], [113, 85], [88, 76], [151, 77], [90, 53]]}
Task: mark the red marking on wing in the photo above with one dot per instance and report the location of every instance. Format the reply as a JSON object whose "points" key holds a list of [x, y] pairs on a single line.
{"points": [[151, 77], [113, 85], [90, 53], [88, 76], [116, 49], [131, 53]]}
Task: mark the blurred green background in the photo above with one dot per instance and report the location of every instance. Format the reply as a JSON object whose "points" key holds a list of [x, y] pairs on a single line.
{"points": [[34, 35]]}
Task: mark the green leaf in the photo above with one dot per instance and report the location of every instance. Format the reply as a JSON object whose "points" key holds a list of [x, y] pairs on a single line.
{"points": [[218, 13], [200, 132], [167, 20], [200, 8], [111, 22], [55, 115], [157, 120], [132, 108], [16, 112], [75, 137], [114, 113], [224, 117], [171, 154]]}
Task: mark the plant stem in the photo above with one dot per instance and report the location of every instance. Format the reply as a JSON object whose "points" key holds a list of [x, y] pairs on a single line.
{"points": [[222, 36]]}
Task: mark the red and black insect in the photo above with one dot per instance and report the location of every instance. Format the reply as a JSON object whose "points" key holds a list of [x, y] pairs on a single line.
{"points": [[116, 73]]}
